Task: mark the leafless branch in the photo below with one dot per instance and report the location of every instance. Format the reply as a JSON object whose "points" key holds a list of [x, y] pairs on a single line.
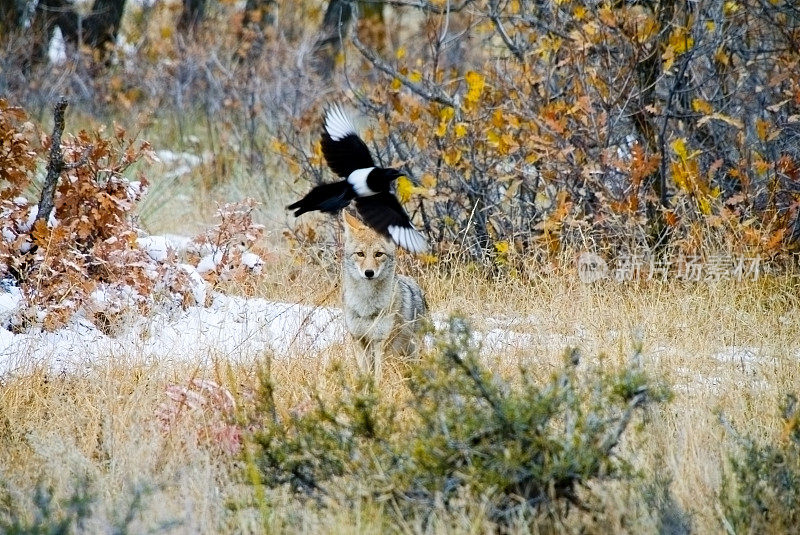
{"points": [[510, 44], [424, 5], [613, 438], [434, 94], [81, 161], [55, 163]]}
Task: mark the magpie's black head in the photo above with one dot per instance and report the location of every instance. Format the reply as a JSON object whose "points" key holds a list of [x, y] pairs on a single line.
{"points": [[387, 173]]}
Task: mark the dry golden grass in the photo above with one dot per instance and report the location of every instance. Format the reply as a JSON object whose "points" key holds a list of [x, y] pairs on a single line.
{"points": [[103, 424]]}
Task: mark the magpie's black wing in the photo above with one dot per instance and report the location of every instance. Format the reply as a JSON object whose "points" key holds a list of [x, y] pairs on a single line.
{"points": [[343, 149], [383, 213], [325, 198]]}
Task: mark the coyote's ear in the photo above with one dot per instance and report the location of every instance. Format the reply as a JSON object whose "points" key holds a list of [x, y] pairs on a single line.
{"points": [[351, 222]]}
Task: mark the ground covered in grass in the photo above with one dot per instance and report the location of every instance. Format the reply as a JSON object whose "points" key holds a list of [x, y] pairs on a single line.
{"points": [[146, 437]]}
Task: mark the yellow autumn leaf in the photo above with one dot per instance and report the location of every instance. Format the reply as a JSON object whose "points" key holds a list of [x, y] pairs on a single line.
{"points": [[669, 57], [278, 146], [680, 40], [415, 77], [762, 128], [428, 181], [701, 106], [446, 113], [451, 156], [493, 139], [475, 85], [729, 8], [721, 56], [460, 130], [579, 13], [679, 148], [400, 53], [396, 84], [428, 259], [680, 175], [704, 204], [404, 189]]}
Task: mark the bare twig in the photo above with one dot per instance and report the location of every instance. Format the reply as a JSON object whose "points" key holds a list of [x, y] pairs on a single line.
{"points": [[434, 94], [474, 374], [81, 161], [510, 44], [662, 134], [613, 438], [424, 5], [55, 163]]}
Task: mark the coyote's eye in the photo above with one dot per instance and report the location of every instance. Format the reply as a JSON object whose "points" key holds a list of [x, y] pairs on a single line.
{"points": [[360, 254], [379, 254]]}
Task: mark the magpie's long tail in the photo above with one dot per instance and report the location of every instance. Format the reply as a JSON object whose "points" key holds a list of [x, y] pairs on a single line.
{"points": [[325, 198]]}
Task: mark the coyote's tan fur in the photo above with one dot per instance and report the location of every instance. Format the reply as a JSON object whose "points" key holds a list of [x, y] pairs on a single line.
{"points": [[381, 309]]}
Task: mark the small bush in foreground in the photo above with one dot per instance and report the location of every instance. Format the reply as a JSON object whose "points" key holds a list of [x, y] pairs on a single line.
{"points": [[761, 493], [462, 437], [46, 515]]}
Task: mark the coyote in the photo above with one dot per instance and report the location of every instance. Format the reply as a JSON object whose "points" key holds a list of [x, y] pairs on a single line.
{"points": [[381, 309]]}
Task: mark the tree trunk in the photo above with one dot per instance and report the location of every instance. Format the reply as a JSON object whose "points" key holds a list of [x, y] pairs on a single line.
{"points": [[101, 27], [194, 11], [259, 12], [335, 25], [98, 30], [371, 26], [10, 17], [257, 18]]}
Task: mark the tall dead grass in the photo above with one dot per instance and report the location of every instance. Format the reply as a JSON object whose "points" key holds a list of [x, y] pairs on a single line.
{"points": [[723, 347]]}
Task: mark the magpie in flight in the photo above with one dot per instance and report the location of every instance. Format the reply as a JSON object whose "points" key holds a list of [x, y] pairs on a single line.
{"points": [[348, 156]]}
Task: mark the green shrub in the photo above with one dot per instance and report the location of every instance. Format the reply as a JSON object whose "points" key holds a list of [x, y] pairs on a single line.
{"points": [[761, 491], [45, 515], [462, 437]]}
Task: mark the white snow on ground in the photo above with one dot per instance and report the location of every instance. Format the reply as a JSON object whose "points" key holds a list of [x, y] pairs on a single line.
{"points": [[9, 301], [242, 330], [168, 156], [232, 328], [156, 247]]}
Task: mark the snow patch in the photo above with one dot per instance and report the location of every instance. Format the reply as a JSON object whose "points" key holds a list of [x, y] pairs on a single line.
{"points": [[9, 303], [57, 51], [156, 247], [232, 328], [168, 156], [209, 262], [253, 261], [198, 284]]}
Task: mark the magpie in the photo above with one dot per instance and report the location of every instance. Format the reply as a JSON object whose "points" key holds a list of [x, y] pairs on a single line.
{"points": [[364, 182]]}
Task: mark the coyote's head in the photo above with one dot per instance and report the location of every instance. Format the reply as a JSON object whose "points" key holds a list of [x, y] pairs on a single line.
{"points": [[367, 254]]}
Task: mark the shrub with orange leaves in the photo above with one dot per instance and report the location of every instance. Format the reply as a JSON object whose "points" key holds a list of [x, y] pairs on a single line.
{"points": [[84, 256], [564, 125]]}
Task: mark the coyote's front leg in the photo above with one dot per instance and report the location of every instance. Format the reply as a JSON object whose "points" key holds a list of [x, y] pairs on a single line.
{"points": [[369, 356]]}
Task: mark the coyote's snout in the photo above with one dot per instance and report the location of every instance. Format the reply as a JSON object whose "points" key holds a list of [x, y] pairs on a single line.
{"points": [[381, 309]]}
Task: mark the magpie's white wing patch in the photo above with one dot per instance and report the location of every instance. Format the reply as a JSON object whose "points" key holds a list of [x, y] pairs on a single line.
{"points": [[358, 179], [344, 151], [337, 124], [384, 213], [408, 238]]}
